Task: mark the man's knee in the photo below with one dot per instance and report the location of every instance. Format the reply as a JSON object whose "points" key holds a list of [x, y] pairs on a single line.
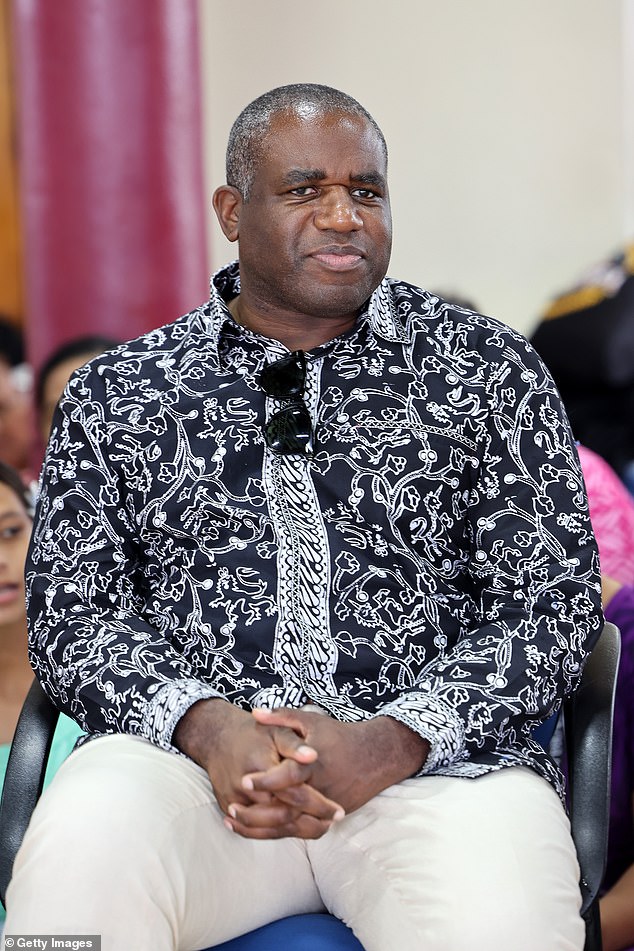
{"points": [[454, 864], [114, 797], [110, 831]]}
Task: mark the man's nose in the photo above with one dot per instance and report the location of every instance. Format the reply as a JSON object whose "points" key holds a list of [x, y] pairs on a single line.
{"points": [[337, 211]]}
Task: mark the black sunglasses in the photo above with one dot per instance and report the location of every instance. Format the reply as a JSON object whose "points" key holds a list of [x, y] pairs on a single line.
{"points": [[290, 430]]}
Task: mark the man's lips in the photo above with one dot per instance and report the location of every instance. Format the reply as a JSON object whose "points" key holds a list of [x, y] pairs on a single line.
{"points": [[339, 258]]}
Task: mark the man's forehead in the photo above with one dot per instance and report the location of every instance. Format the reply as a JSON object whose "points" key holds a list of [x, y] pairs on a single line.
{"points": [[304, 143], [296, 126]]}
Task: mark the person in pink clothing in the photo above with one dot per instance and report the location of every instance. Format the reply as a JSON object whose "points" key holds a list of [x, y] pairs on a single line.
{"points": [[612, 516]]}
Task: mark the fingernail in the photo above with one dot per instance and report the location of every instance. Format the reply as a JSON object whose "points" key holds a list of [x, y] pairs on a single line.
{"points": [[247, 782], [339, 815], [232, 811], [227, 825], [305, 750]]}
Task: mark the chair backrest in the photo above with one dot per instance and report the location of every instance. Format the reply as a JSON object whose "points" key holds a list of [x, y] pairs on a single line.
{"points": [[588, 719], [24, 777]]}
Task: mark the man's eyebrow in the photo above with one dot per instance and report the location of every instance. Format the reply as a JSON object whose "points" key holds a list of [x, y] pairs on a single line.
{"points": [[369, 178], [298, 175]]}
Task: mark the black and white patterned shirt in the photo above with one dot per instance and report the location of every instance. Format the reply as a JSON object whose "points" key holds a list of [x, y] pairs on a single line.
{"points": [[432, 561]]}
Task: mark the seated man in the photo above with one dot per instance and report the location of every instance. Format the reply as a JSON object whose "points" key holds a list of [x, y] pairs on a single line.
{"points": [[309, 564]]}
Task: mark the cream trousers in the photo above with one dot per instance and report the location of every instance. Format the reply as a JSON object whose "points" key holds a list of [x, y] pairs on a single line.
{"points": [[128, 842]]}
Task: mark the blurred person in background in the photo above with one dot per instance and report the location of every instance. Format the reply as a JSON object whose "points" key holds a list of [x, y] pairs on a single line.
{"points": [[57, 370], [612, 516], [617, 904], [17, 427], [16, 675], [586, 339]]}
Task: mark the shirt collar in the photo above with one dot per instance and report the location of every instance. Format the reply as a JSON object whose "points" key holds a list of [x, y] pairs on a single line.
{"points": [[380, 313]]}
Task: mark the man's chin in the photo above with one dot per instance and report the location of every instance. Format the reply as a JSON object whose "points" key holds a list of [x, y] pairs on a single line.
{"points": [[336, 302]]}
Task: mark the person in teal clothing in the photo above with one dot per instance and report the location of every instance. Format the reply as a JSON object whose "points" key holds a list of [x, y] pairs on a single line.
{"points": [[66, 736], [16, 675]]}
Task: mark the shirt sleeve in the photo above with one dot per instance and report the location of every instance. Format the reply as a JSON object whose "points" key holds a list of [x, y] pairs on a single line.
{"points": [[532, 577], [89, 644]]}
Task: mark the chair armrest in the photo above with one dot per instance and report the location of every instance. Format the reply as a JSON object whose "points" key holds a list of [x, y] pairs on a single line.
{"points": [[24, 777], [588, 715]]}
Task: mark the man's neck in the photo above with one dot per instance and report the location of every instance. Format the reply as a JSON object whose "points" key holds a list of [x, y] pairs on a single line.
{"points": [[294, 332]]}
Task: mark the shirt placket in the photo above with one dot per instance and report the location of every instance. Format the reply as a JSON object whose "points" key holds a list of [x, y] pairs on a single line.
{"points": [[304, 651]]}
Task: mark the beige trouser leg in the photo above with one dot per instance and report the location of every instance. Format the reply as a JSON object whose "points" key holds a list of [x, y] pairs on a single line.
{"points": [[128, 842], [441, 864]]}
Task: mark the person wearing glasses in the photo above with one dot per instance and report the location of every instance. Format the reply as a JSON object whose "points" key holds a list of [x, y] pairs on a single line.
{"points": [[309, 564]]}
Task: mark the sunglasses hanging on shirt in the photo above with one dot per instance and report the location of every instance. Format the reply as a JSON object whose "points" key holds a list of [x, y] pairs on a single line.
{"points": [[290, 430]]}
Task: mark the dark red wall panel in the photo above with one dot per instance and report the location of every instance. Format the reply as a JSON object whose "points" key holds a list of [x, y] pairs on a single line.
{"points": [[110, 165]]}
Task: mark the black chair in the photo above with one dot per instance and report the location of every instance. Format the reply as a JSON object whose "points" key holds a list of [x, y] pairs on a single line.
{"points": [[588, 715]]}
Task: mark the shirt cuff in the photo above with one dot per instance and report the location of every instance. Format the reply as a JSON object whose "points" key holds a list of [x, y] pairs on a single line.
{"points": [[168, 706], [436, 722]]}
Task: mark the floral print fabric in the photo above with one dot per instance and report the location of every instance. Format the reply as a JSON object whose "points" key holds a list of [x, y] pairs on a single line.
{"points": [[433, 560]]}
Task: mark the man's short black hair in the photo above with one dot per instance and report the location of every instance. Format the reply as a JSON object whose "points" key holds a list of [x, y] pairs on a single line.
{"points": [[248, 132]]}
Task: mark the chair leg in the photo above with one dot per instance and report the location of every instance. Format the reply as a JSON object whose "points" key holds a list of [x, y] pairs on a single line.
{"points": [[592, 919]]}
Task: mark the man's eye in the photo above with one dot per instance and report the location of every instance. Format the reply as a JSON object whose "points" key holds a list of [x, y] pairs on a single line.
{"points": [[303, 191], [364, 193]]}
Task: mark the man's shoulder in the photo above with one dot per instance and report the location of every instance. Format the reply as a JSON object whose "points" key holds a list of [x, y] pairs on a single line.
{"points": [[420, 304], [159, 346], [186, 329], [424, 314]]}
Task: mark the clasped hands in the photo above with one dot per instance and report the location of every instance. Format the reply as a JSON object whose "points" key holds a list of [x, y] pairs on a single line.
{"points": [[284, 772], [291, 792]]}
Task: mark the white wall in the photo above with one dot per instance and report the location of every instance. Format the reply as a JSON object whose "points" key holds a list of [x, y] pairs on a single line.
{"points": [[505, 121]]}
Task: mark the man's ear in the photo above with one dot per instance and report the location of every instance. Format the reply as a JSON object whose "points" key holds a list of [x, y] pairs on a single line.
{"points": [[227, 202]]}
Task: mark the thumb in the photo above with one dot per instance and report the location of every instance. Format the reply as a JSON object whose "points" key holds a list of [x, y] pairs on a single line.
{"points": [[287, 720], [282, 716]]}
